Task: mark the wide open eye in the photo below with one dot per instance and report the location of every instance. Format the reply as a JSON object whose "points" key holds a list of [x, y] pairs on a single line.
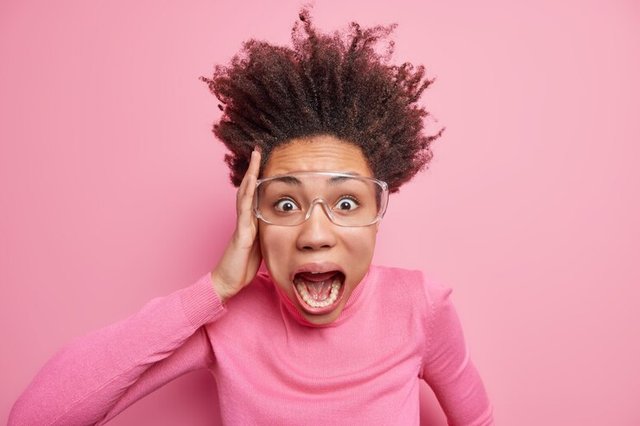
{"points": [[346, 204], [286, 205]]}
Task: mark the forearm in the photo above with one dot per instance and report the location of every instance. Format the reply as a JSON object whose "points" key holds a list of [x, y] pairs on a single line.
{"points": [[83, 382]]}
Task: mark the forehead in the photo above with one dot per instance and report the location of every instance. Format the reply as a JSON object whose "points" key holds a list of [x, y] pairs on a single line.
{"points": [[319, 153]]}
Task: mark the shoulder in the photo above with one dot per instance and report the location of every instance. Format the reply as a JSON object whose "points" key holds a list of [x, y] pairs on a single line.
{"points": [[258, 300], [411, 285], [257, 294], [412, 280]]}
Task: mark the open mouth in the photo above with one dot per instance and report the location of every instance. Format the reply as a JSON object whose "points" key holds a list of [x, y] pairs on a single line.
{"points": [[319, 292]]}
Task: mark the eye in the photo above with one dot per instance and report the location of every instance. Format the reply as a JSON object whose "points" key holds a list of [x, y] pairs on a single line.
{"points": [[345, 204], [286, 205]]}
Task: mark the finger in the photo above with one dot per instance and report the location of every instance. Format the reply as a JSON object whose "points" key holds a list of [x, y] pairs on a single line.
{"points": [[252, 170], [254, 163], [248, 185], [245, 200], [254, 167]]}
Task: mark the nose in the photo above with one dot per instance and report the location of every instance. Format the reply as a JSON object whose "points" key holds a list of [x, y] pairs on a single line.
{"points": [[317, 232]]}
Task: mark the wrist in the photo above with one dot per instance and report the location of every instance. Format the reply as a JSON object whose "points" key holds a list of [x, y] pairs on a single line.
{"points": [[220, 288]]}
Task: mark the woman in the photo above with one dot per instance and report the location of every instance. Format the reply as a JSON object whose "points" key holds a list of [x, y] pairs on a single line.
{"points": [[318, 136]]}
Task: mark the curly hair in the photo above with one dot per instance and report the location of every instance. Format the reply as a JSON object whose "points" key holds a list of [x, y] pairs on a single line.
{"points": [[336, 85]]}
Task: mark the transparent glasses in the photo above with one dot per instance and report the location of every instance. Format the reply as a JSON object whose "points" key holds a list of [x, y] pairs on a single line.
{"points": [[347, 199]]}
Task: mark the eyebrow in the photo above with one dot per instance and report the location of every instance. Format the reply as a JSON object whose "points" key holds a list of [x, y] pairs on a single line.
{"points": [[288, 179], [338, 179]]}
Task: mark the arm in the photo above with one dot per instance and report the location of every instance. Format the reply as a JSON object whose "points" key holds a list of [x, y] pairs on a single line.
{"points": [[97, 376], [448, 369]]}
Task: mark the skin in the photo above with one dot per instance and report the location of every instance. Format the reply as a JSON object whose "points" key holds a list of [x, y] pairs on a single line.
{"points": [[317, 241]]}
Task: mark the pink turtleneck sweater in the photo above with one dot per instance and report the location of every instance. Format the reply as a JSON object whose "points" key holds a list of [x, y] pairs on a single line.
{"points": [[271, 366]]}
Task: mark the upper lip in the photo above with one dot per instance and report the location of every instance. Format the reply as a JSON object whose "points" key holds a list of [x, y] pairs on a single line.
{"points": [[317, 267]]}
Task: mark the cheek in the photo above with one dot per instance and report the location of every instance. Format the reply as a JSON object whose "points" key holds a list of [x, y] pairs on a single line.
{"points": [[276, 245], [361, 241], [359, 247]]}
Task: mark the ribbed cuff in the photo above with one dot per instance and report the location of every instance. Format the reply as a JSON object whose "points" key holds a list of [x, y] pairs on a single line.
{"points": [[201, 303]]}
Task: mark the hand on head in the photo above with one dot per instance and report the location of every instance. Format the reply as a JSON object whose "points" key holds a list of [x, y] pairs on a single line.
{"points": [[241, 258]]}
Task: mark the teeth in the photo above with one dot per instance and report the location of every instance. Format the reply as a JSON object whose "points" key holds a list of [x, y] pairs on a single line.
{"points": [[333, 295]]}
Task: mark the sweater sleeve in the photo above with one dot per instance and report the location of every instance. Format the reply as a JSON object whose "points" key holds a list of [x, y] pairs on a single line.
{"points": [[447, 366], [95, 377]]}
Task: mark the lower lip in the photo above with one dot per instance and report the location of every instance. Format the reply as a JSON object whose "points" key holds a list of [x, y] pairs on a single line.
{"points": [[324, 309]]}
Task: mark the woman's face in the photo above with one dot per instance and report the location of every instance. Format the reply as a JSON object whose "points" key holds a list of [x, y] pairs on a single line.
{"points": [[317, 255]]}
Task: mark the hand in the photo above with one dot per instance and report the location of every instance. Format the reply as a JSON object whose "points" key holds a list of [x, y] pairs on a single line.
{"points": [[241, 259]]}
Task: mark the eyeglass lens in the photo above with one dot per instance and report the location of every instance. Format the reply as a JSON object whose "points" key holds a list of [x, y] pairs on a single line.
{"points": [[352, 201]]}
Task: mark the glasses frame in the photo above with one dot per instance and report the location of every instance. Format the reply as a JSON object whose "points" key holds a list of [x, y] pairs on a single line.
{"points": [[384, 198]]}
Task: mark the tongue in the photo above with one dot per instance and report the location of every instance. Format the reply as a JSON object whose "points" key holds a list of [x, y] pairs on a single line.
{"points": [[319, 291], [318, 285]]}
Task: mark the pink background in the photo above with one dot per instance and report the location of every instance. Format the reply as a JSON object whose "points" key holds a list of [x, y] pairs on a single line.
{"points": [[113, 189]]}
